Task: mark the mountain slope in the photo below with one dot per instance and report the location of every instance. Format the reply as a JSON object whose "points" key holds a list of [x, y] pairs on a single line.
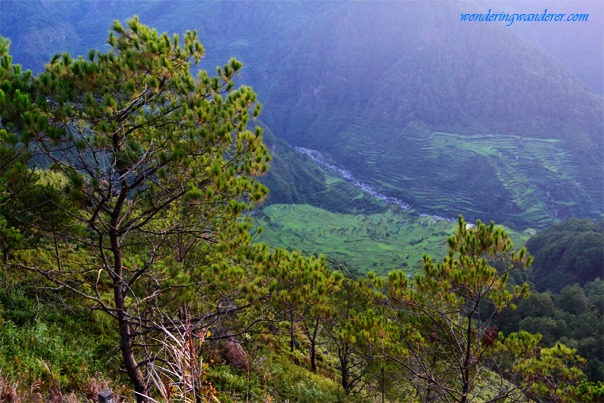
{"points": [[379, 76], [450, 117]]}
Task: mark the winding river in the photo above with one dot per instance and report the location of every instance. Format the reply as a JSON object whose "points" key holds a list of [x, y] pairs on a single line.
{"points": [[318, 158]]}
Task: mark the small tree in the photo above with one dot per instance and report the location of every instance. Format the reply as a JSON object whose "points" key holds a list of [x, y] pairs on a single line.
{"points": [[445, 315], [348, 335], [548, 374], [15, 178], [160, 166], [545, 374], [300, 294]]}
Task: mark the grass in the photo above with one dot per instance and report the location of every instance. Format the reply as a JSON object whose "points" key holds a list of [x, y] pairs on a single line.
{"points": [[379, 242], [275, 373], [46, 353]]}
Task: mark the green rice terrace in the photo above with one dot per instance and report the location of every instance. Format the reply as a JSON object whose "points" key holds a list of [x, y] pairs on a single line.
{"points": [[378, 242], [519, 181], [381, 233]]}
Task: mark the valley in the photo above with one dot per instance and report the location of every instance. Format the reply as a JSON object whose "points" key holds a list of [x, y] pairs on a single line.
{"points": [[522, 181], [365, 201], [395, 238]]}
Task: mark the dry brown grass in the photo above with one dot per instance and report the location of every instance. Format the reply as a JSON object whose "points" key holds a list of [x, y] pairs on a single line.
{"points": [[14, 391]]}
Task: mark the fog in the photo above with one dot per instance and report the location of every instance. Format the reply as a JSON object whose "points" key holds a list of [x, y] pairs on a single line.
{"points": [[579, 45], [439, 113]]}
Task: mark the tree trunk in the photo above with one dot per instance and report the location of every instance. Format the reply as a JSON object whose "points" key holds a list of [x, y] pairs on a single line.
{"points": [[313, 347], [132, 369], [465, 375], [119, 289], [344, 369], [291, 332], [383, 384]]}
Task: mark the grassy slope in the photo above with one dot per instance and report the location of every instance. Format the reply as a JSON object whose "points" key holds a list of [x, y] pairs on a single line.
{"points": [[379, 242], [527, 181]]}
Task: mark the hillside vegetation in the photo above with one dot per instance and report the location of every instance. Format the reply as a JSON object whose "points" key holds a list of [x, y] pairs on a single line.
{"points": [[567, 253], [133, 246], [374, 107], [123, 193], [372, 85]]}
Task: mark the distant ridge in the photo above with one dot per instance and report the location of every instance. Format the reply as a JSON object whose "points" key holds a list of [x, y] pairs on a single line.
{"points": [[369, 83]]}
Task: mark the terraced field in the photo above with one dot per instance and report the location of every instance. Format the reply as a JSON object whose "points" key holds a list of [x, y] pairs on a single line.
{"points": [[518, 182], [352, 223], [530, 170], [379, 242], [521, 181]]}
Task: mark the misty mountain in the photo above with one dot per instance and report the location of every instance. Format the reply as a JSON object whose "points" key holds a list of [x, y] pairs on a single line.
{"points": [[380, 78], [577, 45], [480, 119]]}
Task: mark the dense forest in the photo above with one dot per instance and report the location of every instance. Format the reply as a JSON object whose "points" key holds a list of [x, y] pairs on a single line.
{"points": [[128, 261], [436, 113]]}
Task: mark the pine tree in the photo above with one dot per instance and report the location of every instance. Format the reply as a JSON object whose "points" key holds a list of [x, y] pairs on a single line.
{"points": [[445, 315], [160, 166]]}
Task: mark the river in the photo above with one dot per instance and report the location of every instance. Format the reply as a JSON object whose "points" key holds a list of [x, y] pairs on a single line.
{"points": [[318, 158]]}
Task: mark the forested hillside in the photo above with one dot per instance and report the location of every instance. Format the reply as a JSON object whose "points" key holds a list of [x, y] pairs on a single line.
{"points": [[392, 92], [374, 106], [567, 253], [568, 298], [283, 229]]}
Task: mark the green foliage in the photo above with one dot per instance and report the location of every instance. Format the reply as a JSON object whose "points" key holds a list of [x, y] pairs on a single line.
{"points": [[547, 374], [572, 299], [349, 338], [274, 374], [10, 237], [588, 391], [285, 379], [152, 170], [568, 264], [444, 339], [124, 180], [15, 102], [567, 253], [49, 354], [572, 317]]}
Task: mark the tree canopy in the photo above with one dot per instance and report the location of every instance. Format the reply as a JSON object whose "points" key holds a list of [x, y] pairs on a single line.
{"points": [[125, 184], [566, 253], [155, 169]]}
